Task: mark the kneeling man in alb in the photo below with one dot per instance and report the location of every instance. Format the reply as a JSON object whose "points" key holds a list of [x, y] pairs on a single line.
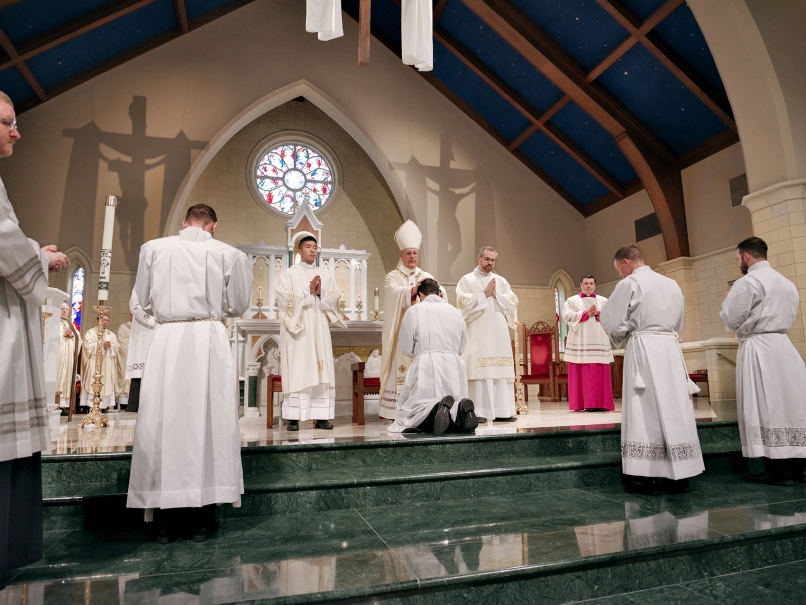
{"points": [[434, 334], [187, 448], [488, 305], [770, 374], [308, 301], [660, 448]]}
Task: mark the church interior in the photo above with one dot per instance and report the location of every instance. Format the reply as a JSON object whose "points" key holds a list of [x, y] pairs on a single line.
{"points": [[555, 131]]}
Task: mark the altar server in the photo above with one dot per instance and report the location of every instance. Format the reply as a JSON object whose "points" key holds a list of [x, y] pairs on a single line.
{"points": [[65, 379], [187, 448], [25, 434], [143, 326], [99, 341], [770, 374], [660, 448], [587, 351], [123, 384], [308, 302], [489, 306], [434, 334], [400, 287]]}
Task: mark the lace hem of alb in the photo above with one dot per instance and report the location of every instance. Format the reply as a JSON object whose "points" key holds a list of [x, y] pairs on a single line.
{"points": [[675, 452], [773, 437]]}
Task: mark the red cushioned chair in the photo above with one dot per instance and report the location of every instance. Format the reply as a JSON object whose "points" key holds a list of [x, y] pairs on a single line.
{"points": [[560, 369], [274, 384], [700, 376], [362, 386], [537, 364]]}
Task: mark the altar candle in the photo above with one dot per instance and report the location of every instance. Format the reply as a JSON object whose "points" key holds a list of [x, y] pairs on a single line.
{"points": [[106, 247], [377, 297]]}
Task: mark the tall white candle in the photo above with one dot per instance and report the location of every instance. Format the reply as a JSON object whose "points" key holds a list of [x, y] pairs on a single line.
{"points": [[106, 247], [377, 297]]}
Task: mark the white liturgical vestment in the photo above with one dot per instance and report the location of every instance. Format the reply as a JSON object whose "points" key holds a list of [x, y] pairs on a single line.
{"points": [[488, 355], [142, 332], [123, 383], [658, 431], [417, 36], [306, 352], [396, 301], [587, 341], [109, 369], [66, 359], [433, 333], [770, 374], [23, 285], [187, 448], [323, 17]]}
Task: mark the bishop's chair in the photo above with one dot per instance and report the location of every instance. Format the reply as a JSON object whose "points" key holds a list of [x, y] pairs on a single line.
{"points": [[538, 366]]}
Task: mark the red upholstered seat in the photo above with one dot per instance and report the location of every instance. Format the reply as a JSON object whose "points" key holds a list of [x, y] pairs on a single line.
{"points": [[698, 377], [372, 382], [539, 354], [277, 379]]}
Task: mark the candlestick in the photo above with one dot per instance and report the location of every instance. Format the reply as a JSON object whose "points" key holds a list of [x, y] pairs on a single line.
{"points": [[359, 306], [377, 299], [106, 248]]}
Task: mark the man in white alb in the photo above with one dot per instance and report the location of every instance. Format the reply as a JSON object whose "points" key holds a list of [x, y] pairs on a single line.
{"points": [[587, 351], [770, 374], [433, 333], [400, 287], [143, 326], [66, 358], [123, 384], [107, 347], [660, 448], [309, 302], [187, 448], [489, 306]]}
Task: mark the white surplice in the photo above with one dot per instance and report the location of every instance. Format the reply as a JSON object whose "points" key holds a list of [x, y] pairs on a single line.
{"points": [[770, 374], [143, 326], [23, 285], [109, 369], [434, 334], [488, 355], [323, 17], [306, 352], [587, 341], [187, 448], [658, 431], [123, 383], [416, 33], [65, 361]]}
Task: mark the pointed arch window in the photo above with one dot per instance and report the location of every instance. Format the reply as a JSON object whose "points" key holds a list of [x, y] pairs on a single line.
{"points": [[77, 297]]}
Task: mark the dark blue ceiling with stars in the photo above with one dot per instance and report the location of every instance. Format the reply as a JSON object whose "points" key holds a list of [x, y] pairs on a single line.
{"points": [[648, 57]]}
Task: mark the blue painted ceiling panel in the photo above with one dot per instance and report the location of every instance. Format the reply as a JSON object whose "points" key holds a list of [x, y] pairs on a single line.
{"points": [[103, 42], [657, 97], [682, 33], [13, 84], [493, 51], [199, 7], [594, 139], [582, 27], [550, 157], [23, 20], [477, 93], [385, 17], [643, 8]]}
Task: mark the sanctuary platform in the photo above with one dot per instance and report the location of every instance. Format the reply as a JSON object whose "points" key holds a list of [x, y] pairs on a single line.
{"points": [[523, 514]]}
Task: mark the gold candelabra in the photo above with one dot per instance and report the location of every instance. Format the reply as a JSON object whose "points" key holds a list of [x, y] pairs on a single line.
{"points": [[359, 306], [95, 417], [259, 314], [520, 405], [45, 317]]}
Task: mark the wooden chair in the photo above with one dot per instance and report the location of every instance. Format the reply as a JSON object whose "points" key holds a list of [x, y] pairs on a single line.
{"points": [[537, 366], [618, 375], [700, 376], [362, 386], [560, 368], [274, 384]]}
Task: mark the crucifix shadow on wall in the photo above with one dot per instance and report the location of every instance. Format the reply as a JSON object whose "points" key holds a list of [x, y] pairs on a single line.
{"points": [[451, 187], [136, 154]]}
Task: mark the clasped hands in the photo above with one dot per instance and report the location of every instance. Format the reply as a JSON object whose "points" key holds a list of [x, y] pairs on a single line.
{"points": [[57, 261], [316, 286], [593, 311], [489, 291]]}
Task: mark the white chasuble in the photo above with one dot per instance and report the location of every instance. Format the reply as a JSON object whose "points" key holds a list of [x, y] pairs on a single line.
{"points": [[109, 370], [433, 333], [396, 301], [142, 332], [187, 447], [658, 431], [587, 341], [122, 387], [323, 17], [488, 355], [65, 361], [23, 285], [417, 36], [770, 374], [306, 351]]}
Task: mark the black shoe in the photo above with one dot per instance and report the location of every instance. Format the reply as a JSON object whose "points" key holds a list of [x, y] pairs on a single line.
{"points": [[481, 419], [674, 486], [167, 533], [641, 485], [510, 419], [442, 419], [205, 531], [293, 425], [323, 424], [766, 479], [466, 416]]}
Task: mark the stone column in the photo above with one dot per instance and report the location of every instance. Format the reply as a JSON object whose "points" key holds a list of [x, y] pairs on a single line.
{"points": [[720, 359], [779, 218], [681, 270]]}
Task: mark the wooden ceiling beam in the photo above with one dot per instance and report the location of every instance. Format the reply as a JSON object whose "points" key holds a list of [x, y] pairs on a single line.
{"points": [[180, 10], [641, 32], [25, 72]]}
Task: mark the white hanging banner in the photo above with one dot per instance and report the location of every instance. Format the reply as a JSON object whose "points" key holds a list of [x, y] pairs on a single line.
{"points": [[324, 18], [417, 34]]}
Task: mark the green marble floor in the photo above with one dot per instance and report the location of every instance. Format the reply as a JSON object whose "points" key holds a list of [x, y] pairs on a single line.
{"points": [[360, 552]]}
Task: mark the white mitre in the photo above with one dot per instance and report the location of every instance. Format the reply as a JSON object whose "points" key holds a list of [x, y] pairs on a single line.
{"points": [[408, 236]]}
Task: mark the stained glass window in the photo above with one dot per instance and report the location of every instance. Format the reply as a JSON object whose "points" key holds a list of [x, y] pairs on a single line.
{"points": [[292, 174], [77, 300]]}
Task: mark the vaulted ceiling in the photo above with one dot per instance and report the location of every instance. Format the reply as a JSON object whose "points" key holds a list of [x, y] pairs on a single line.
{"points": [[600, 98]]}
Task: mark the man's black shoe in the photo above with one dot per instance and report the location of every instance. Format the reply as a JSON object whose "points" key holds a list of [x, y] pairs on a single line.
{"points": [[466, 416], [510, 419], [293, 425], [672, 486], [766, 479], [206, 531], [168, 533], [442, 419], [323, 424], [641, 485], [481, 419]]}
